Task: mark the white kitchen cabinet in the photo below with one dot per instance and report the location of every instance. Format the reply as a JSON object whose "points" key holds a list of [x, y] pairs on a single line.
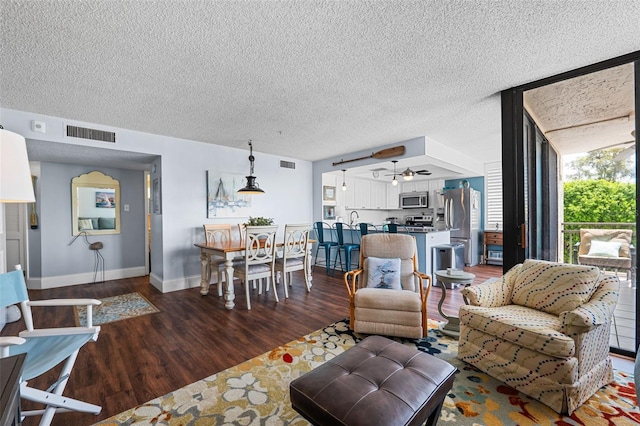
{"points": [[393, 199], [378, 195], [435, 193], [409, 187], [362, 196], [422, 186], [415, 186], [349, 194]]}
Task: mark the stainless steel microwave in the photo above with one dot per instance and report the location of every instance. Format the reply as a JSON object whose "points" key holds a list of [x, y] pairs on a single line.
{"points": [[414, 200]]}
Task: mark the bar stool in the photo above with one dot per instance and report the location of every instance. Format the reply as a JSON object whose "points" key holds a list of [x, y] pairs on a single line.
{"points": [[324, 243], [347, 247], [365, 228], [391, 228]]}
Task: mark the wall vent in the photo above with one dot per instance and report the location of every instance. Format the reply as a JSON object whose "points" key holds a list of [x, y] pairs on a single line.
{"points": [[97, 135], [287, 164]]}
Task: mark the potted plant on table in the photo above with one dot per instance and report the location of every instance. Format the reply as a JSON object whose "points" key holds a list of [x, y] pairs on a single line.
{"points": [[259, 221]]}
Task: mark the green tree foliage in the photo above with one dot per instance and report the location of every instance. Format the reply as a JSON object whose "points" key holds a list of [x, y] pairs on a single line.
{"points": [[599, 201], [601, 164]]}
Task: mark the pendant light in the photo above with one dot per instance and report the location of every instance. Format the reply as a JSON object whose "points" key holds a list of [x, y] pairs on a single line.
{"points": [[252, 186], [344, 184], [394, 182]]}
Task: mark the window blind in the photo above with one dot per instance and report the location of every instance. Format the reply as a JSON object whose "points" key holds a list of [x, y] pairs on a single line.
{"points": [[493, 218]]}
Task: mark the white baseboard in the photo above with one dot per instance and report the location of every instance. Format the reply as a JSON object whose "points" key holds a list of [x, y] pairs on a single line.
{"points": [[166, 286], [84, 278]]}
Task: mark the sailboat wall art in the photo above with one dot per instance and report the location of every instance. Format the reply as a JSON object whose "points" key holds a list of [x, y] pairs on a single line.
{"points": [[223, 199]]}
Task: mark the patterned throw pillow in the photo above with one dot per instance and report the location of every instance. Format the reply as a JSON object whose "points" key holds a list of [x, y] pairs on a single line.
{"points": [[383, 272], [85, 225], [554, 287]]}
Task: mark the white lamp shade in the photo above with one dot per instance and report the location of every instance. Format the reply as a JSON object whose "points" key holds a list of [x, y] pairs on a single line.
{"points": [[15, 175]]}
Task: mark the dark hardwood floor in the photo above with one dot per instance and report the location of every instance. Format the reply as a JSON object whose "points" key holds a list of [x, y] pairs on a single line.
{"points": [[192, 337]]}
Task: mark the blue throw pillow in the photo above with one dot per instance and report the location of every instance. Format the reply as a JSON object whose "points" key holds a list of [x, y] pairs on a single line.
{"points": [[107, 223], [383, 272]]}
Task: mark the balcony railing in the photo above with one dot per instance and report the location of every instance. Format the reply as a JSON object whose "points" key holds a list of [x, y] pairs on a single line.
{"points": [[623, 328], [570, 234]]}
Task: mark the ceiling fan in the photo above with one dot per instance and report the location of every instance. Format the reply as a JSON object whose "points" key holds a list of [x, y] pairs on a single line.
{"points": [[627, 152], [408, 174]]}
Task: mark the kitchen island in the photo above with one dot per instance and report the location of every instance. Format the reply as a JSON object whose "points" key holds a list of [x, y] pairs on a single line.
{"points": [[426, 239]]}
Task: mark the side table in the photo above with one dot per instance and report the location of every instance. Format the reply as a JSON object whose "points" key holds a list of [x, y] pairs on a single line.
{"points": [[452, 326], [11, 368]]}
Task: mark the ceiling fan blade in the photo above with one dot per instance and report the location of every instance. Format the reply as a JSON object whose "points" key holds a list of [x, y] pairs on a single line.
{"points": [[609, 146], [423, 172], [625, 153]]}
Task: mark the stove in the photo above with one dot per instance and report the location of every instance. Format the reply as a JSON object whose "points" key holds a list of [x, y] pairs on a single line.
{"points": [[411, 228], [419, 221]]}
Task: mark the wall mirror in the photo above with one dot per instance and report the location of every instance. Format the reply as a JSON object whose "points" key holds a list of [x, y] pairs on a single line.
{"points": [[95, 199]]}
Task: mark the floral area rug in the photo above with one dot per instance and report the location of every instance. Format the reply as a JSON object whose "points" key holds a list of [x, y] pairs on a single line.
{"points": [[256, 392], [116, 308]]}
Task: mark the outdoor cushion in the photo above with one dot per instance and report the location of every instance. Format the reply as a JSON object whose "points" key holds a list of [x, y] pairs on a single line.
{"points": [[604, 248]]}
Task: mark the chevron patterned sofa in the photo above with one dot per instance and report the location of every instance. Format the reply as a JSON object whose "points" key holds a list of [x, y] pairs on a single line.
{"points": [[543, 329]]}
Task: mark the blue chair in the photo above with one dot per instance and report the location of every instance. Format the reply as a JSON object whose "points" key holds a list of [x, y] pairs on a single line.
{"points": [[365, 228], [391, 228], [45, 349], [325, 242], [348, 248]]}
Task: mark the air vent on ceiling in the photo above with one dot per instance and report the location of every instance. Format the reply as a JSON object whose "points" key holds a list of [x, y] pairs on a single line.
{"points": [[287, 164], [97, 135]]}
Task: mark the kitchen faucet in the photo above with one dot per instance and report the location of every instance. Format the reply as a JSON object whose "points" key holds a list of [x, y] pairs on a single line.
{"points": [[353, 221]]}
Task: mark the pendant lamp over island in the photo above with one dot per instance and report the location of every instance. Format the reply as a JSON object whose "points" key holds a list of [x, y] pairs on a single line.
{"points": [[252, 186]]}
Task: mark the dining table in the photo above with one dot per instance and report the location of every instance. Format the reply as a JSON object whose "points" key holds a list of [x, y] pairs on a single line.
{"points": [[229, 250]]}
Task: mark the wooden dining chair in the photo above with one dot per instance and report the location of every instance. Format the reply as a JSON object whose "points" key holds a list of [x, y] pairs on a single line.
{"points": [[259, 258], [218, 233], [294, 255]]}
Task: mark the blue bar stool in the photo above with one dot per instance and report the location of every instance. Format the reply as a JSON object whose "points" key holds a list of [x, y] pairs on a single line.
{"points": [[365, 228], [325, 242], [391, 228], [347, 247]]}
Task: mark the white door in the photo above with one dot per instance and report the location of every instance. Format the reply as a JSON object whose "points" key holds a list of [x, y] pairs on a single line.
{"points": [[15, 231]]}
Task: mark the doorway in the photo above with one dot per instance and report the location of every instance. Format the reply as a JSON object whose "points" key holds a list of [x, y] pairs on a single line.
{"points": [[532, 159]]}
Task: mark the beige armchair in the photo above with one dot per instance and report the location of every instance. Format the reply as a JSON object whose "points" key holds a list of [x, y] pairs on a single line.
{"points": [[543, 329], [608, 249], [387, 295]]}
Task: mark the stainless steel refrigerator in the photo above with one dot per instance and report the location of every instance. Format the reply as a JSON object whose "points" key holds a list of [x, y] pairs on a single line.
{"points": [[462, 217]]}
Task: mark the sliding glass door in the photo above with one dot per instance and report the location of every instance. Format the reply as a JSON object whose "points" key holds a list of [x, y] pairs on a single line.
{"points": [[533, 153]]}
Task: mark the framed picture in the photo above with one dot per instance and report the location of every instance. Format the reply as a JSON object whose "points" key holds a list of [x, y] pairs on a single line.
{"points": [[106, 199], [329, 193], [329, 212], [223, 199]]}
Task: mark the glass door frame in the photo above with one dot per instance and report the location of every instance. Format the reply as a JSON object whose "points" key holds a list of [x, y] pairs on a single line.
{"points": [[515, 162]]}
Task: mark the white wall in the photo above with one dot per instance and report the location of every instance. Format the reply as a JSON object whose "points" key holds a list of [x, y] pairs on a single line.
{"points": [[175, 261]]}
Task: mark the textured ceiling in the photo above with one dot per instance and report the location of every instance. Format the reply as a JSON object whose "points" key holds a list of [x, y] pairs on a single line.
{"points": [[304, 79], [587, 112]]}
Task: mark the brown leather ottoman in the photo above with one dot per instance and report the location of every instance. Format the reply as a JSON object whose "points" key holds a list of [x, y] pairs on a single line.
{"points": [[377, 382]]}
